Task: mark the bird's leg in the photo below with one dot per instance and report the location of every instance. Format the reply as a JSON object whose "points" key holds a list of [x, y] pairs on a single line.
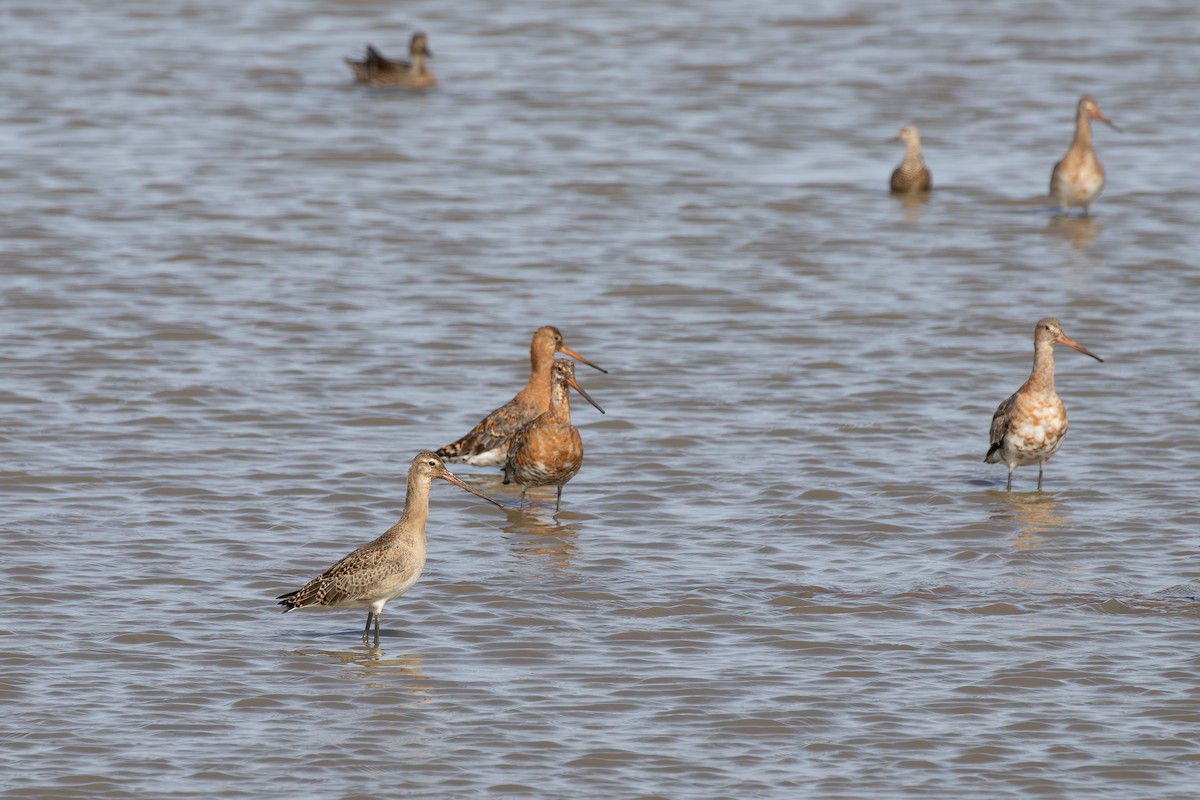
{"points": [[558, 502], [367, 627], [1009, 487], [1040, 465], [377, 616], [522, 506]]}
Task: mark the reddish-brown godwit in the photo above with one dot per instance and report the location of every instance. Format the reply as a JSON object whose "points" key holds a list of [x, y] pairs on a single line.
{"points": [[548, 451], [1029, 426], [486, 445], [375, 70], [912, 175], [1078, 179], [387, 567]]}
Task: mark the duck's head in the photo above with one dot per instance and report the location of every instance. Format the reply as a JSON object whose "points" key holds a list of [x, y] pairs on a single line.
{"points": [[419, 46], [909, 135]]}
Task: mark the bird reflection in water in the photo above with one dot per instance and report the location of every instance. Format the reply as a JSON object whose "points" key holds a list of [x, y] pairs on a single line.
{"points": [[1078, 232], [378, 671], [543, 543], [1037, 513], [913, 205]]}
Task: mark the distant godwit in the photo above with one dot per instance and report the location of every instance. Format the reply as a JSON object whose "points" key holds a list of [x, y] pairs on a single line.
{"points": [[387, 567], [548, 451], [375, 70], [1029, 426], [486, 445], [912, 175], [1078, 179]]}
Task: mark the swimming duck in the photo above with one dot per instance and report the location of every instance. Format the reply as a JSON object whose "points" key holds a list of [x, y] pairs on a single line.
{"points": [[375, 70]]}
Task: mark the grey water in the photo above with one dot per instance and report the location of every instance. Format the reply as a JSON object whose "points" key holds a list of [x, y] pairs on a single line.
{"points": [[239, 293]]}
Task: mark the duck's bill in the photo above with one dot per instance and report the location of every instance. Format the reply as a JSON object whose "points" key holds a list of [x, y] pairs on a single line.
{"points": [[1076, 346], [581, 359], [450, 477], [1107, 121], [575, 385]]}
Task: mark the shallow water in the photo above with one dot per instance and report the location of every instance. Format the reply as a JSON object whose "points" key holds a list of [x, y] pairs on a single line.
{"points": [[241, 293]]}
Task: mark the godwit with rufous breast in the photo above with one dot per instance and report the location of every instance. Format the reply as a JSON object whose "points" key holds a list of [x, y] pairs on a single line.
{"points": [[1078, 179], [375, 70], [1029, 426], [548, 451], [486, 445], [387, 567], [912, 175]]}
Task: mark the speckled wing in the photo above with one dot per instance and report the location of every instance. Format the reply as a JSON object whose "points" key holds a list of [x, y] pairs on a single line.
{"points": [[1000, 424], [352, 578], [375, 66], [320, 591], [375, 59], [492, 432]]}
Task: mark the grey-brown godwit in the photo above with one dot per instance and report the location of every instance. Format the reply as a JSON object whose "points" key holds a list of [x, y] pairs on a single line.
{"points": [[1030, 425], [548, 451], [486, 445], [1078, 178], [386, 567]]}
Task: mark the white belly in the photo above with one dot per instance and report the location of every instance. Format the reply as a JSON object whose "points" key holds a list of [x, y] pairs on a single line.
{"points": [[489, 458], [1034, 440]]}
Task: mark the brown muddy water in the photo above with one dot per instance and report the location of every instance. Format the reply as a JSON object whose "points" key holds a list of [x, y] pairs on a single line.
{"points": [[240, 293]]}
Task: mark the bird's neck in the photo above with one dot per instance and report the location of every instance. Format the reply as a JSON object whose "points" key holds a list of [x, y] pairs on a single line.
{"points": [[416, 508], [560, 402], [1041, 378], [1083, 130], [912, 152], [418, 63], [540, 363]]}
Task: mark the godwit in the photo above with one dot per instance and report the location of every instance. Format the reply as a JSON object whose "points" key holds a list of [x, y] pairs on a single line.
{"points": [[548, 451], [912, 175], [1078, 179], [486, 445], [387, 567], [375, 70], [1030, 425]]}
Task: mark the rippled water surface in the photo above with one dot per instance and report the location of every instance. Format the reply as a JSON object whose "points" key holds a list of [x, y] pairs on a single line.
{"points": [[240, 293]]}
